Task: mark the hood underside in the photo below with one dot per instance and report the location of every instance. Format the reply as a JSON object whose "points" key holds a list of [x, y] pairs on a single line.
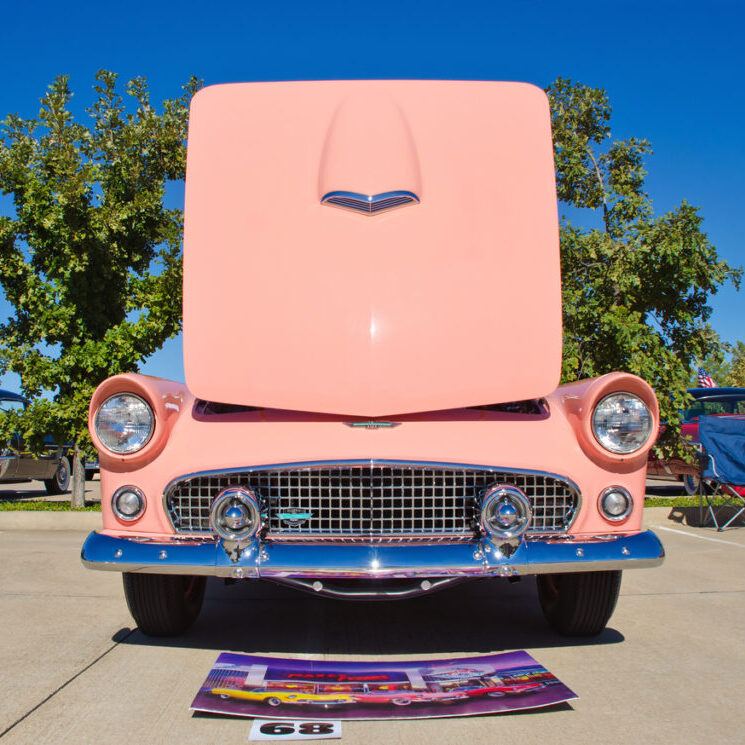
{"points": [[371, 247]]}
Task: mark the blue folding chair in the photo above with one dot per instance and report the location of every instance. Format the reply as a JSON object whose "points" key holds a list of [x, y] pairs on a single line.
{"points": [[723, 441]]}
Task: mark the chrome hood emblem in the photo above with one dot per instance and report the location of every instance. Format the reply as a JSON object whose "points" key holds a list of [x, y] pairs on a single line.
{"points": [[369, 204]]}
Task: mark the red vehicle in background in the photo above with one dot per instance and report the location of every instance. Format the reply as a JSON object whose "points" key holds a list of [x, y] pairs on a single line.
{"points": [[728, 402]]}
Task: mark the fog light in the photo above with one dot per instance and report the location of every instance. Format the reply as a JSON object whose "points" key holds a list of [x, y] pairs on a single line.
{"points": [[615, 503], [505, 512], [128, 503], [235, 514]]}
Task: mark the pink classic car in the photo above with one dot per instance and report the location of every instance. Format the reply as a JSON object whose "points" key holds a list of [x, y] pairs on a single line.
{"points": [[372, 341], [496, 691], [404, 698]]}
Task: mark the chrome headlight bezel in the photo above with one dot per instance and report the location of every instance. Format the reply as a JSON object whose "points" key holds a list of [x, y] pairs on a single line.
{"points": [[615, 490], [614, 439], [245, 524], [520, 513], [141, 441], [139, 494]]}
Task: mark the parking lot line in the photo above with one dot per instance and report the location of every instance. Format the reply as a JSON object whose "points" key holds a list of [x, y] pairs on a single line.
{"points": [[700, 537]]}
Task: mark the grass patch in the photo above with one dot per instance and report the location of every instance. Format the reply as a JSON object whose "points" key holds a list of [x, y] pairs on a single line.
{"points": [[42, 506], [678, 501]]}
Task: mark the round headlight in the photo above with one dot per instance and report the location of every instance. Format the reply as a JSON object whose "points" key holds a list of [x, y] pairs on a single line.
{"points": [[124, 423], [128, 503], [622, 423]]}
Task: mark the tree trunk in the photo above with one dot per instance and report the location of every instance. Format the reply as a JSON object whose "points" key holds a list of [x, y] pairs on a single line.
{"points": [[77, 495]]}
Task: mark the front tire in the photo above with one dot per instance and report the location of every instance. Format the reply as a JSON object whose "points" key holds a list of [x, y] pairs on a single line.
{"points": [[164, 604], [60, 482], [581, 603]]}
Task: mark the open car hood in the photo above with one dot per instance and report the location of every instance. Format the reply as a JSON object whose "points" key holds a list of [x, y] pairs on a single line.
{"points": [[371, 248]]}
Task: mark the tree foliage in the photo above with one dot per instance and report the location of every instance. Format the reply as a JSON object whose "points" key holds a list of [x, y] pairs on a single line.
{"points": [[637, 286], [727, 367], [736, 376], [90, 261]]}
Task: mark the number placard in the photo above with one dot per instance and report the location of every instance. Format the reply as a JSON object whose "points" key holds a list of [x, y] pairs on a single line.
{"points": [[291, 730]]}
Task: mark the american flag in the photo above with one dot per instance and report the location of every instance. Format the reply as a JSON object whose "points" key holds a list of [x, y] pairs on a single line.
{"points": [[705, 380]]}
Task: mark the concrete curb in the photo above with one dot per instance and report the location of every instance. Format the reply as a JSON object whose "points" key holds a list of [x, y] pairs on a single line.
{"points": [[39, 520]]}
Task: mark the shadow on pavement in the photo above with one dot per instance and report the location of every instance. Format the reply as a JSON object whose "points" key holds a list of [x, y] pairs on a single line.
{"points": [[476, 617], [563, 706], [8, 494], [665, 489]]}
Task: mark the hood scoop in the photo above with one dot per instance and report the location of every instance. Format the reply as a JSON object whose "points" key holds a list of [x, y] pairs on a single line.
{"points": [[369, 147], [369, 204]]}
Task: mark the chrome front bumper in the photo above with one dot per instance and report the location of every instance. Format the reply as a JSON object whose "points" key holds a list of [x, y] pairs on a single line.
{"points": [[370, 561]]}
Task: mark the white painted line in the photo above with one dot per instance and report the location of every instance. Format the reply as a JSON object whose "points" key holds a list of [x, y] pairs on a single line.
{"points": [[701, 537]]}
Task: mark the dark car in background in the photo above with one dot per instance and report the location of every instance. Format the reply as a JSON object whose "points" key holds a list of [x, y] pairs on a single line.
{"points": [[729, 402], [17, 464]]}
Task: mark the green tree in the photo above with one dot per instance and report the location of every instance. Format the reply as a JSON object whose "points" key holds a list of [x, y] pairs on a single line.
{"points": [[724, 372], [636, 286], [736, 375], [90, 261]]}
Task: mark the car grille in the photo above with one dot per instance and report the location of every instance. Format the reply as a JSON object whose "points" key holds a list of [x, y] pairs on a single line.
{"points": [[370, 500]]}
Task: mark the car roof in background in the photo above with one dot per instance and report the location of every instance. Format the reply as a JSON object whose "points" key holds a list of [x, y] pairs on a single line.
{"points": [[699, 393], [10, 396]]}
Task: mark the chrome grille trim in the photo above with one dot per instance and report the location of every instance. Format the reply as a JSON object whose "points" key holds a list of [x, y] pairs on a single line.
{"points": [[444, 511], [369, 203]]}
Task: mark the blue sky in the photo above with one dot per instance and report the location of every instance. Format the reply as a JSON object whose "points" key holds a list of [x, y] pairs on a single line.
{"points": [[673, 71]]}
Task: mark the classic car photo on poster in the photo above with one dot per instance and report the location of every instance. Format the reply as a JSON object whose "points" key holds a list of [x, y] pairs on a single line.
{"points": [[274, 687]]}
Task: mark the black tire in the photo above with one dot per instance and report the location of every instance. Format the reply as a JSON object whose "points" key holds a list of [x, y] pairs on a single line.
{"points": [[164, 604], [60, 482], [401, 701], [578, 604], [273, 701]]}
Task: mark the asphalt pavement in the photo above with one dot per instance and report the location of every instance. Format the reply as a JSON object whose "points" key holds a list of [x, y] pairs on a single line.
{"points": [[670, 668]]}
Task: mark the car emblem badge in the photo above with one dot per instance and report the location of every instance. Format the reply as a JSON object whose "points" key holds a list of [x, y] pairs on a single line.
{"points": [[372, 425], [294, 517]]}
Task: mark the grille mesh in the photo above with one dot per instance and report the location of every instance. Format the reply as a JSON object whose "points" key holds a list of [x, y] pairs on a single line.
{"points": [[371, 501]]}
